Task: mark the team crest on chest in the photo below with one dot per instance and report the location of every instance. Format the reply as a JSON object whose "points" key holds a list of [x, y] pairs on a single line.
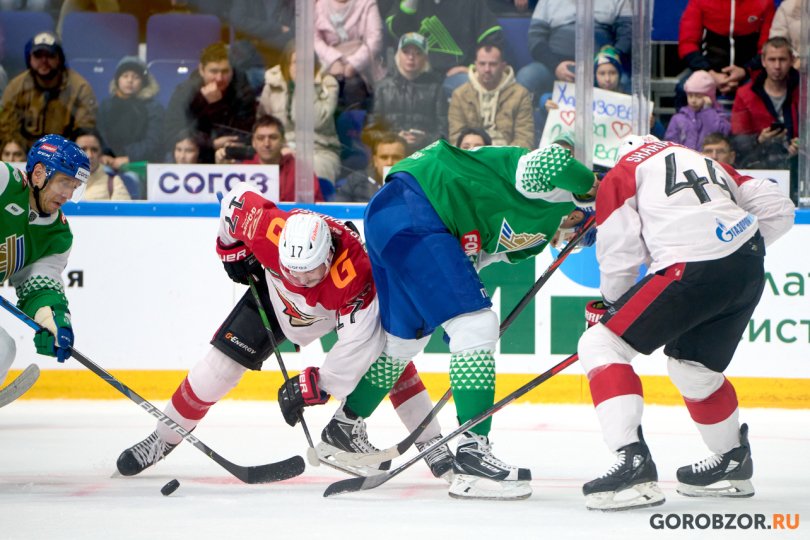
{"points": [[12, 256], [297, 317], [509, 240]]}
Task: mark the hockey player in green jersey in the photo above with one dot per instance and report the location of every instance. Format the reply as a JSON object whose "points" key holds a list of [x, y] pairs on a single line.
{"points": [[35, 240], [442, 215]]}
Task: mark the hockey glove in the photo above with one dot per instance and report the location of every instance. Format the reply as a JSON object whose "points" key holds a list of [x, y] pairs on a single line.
{"points": [[594, 311], [299, 392], [239, 262], [590, 237], [58, 343]]}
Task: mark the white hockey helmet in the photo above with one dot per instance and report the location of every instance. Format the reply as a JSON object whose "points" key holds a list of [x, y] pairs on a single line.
{"points": [[634, 142], [304, 245]]}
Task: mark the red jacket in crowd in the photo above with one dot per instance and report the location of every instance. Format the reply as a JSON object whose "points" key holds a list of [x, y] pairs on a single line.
{"points": [[753, 110], [286, 179], [706, 26]]}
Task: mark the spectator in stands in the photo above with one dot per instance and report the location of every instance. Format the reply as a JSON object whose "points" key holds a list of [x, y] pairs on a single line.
{"points": [[608, 73], [104, 184], [262, 29], [47, 97], [14, 151], [701, 116], [552, 39], [473, 138], [409, 101], [348, 41], [188, 147], [718, 147], [215, 100], [510, 7], [787, 23], [268, 142], [278, 99], [722, 37], [453, 28], [492, 100], [765, 115], [387, 150], [130, 120]]}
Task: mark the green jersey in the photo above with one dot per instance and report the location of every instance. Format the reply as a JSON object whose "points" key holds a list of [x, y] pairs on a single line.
{"points": [[33, 248], [499, 200]]}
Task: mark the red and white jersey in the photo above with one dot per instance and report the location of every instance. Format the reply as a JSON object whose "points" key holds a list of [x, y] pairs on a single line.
{"points": [[664, 204], [345, 301]]}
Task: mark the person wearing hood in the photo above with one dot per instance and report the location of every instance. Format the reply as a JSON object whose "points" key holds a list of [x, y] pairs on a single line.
{"points": [[130, 120], [702, 114], [494, 101], [48, 97]]}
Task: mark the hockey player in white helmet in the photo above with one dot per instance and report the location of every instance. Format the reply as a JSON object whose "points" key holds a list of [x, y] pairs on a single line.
{"points": [[701, 228], [315, 275], [36, 242]]}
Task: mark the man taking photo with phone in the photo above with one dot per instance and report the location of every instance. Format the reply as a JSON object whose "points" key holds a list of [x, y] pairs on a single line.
{"points": [[267, 141], [765, 116]]}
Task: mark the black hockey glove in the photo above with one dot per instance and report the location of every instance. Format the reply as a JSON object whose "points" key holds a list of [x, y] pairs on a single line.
{"points": [[239, 262], [298, 392]]}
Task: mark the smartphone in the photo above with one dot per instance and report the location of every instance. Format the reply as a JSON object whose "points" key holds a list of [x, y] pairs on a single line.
{"points": [[776, 126], [241, 152]]}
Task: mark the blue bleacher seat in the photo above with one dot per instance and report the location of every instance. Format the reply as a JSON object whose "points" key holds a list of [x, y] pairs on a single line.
{"points": [[168, 74], [88, 34], [666, 19], [16, 28], [327, 189], [180, 35], [516, 41], [98, 72]]}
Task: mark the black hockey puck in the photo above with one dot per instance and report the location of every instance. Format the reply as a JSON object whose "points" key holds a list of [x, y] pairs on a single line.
{"points": [[170, 487]]}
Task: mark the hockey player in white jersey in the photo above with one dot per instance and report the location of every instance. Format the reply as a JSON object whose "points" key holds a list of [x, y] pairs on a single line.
{"points": [[702, 229]]}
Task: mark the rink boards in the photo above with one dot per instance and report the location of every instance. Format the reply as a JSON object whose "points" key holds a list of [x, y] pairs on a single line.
{"points": [[147, 292]]}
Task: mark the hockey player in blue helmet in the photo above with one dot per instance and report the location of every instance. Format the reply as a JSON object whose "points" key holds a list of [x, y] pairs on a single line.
{"points": [[36, 241]]}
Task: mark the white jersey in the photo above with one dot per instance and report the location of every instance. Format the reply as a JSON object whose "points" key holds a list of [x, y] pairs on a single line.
{"points": [[664, 204]]}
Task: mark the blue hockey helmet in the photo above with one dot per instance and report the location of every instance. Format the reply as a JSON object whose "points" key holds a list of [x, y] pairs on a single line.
{"points": [[57, 154]]}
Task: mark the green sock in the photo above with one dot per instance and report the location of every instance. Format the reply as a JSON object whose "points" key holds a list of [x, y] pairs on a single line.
{"points": [[375, 385], [472, 378]]}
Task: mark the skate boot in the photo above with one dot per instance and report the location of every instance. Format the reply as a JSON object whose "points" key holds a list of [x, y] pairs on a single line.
{"points": [[146, 453], [343, 438], [439, 459], [480, 475], [728, 475], [632, 482]]}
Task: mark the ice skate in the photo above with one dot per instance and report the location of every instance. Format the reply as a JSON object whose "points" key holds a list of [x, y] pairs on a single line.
{"points": [[727, 475], [146, 453], [346, 434], [480, 475], [439, 459], [632, 482]]}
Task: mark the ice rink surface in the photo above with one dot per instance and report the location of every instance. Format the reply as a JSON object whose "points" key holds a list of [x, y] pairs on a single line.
{"points": [[57, 459]]}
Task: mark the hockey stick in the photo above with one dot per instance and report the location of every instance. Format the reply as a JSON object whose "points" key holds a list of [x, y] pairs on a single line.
{"points": [[401, 447], [352, 485], [20, 385], [312, 455], [258, 474]]}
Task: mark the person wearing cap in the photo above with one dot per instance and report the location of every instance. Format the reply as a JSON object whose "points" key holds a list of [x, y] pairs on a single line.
{"points": [[409, 100], [442, 215], [48, 97], [494, 101], [130, 120], [702, 114]]}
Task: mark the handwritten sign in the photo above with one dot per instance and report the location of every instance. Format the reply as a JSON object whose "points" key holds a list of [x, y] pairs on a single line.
{"points": [[612, 120], [170, 182]]}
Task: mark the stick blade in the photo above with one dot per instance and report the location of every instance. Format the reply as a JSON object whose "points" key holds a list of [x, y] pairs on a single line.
{"points": [[351, 485], [20, 385], [273, 472]]}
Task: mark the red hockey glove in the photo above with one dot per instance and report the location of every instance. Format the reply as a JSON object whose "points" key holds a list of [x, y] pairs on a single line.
{"points": [[594, 311], [239, 262], [299, 392]]}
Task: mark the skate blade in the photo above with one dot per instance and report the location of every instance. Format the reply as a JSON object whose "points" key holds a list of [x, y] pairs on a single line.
{"points": [[638, 496], [328, 455], [465, 486], [724, 488]]}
